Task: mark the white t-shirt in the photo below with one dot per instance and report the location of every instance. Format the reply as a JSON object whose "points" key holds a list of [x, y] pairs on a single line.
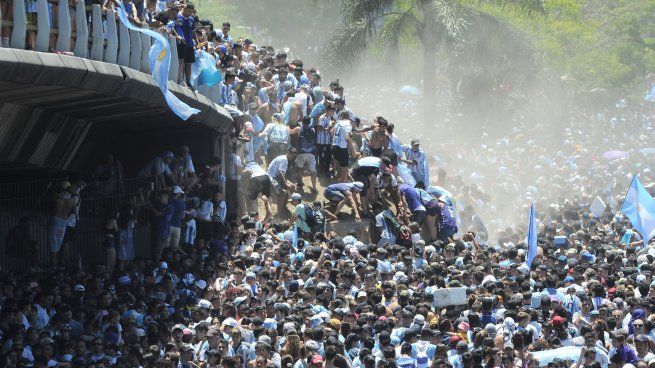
{"points": [[206, 210], [342, 130], [255, 170], [280, 163], [302, 98]]}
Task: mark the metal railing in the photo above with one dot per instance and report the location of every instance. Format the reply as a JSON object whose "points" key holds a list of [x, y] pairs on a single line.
{"points": [[86, 31], [30, 199]]}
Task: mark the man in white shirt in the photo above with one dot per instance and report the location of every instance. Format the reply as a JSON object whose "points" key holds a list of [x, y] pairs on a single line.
{"points": [[341, 134], [277, 170]]}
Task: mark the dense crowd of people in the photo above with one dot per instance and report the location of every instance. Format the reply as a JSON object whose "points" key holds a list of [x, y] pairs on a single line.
{"points": [[245, 271]]}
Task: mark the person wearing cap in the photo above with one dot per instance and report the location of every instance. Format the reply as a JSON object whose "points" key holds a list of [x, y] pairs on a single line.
{"points": [[299, 216], [417, 162], [160, 170], [342, 193], [186, 356]]}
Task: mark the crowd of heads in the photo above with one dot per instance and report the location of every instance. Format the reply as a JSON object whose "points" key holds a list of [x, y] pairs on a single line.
{"points": [[249, 267]]}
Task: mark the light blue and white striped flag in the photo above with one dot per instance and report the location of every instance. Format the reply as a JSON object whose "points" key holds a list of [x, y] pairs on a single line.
{"points": [[160, 62]]}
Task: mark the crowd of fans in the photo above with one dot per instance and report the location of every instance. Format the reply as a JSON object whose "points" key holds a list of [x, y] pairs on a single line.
{"points": [[234, 280]]}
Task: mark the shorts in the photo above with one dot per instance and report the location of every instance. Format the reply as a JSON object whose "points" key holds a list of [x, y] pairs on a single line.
{"points": [[306, 158], [432, 208], [186, 53], [204, 230], [259, 185], [340, 155], [377, 152], [334, 195], [446, 232], [362, 173], [418, 216]]}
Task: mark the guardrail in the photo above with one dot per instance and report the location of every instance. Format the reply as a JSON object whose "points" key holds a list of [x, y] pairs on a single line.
{"points": [[86, 31]]}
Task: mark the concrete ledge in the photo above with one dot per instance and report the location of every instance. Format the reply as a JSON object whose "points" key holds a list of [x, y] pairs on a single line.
{"points": [[61, 70], [28, 66], [104, 78]]}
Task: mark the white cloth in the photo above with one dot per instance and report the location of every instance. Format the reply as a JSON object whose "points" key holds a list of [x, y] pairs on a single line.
{"points": [[342, 131], [280, 163]]}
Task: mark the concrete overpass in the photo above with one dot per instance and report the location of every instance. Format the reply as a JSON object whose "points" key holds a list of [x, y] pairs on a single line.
{"points": [[56, 111]]}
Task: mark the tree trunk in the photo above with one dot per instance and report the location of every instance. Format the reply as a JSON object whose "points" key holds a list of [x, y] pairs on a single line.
{"points": [[429, 40]]}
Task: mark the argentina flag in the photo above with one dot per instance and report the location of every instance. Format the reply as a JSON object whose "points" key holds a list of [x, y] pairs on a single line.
{"points": [[532, 238], [160, 62], [639, 207]]}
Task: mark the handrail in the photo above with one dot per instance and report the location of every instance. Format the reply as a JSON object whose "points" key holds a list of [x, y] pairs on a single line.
{"points": [[87, 31]]}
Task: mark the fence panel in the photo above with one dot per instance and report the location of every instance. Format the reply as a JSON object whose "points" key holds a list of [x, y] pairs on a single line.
{"points": [[29, 199]]}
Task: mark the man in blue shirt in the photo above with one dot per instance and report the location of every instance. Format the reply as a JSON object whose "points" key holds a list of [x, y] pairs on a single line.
{"points": [[162, 212], [306, 151], [184, 26], [342, 193]]}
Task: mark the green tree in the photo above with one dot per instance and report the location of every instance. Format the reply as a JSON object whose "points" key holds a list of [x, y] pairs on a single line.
{"points": [[434, 23]]}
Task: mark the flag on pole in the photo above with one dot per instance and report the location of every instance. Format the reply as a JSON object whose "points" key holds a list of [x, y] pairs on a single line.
{"points": [[160, 62], [532, 238], [639, 207]]}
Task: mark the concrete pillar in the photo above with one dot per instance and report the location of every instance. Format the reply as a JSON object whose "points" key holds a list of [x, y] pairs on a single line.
{"points": [[19, 30], [63, 26], [172, 72], [111, 51], [98, 45], [135, 50], [123, 45], [145, 49], [81, 31], [43, 26]]}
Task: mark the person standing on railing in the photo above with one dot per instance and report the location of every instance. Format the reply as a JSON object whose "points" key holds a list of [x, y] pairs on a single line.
{"points": [[73, 217], [184, 26], [30, 13], [162, 212], [62, 204]]}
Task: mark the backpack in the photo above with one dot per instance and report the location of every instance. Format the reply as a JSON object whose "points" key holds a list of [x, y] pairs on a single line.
{"points": [[314, 219], [279, 134], [392, 223]]}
